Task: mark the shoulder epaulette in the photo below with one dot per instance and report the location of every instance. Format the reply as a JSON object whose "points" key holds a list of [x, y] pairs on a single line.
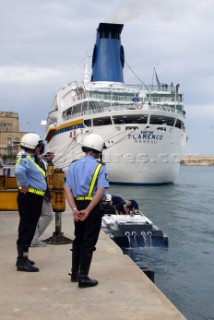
{"points": [[103, 163]]}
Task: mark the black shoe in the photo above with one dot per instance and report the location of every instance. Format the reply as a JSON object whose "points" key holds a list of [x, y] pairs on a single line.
{"points": [[74, 276], [24, 265], [85, 282], [30, 261]]}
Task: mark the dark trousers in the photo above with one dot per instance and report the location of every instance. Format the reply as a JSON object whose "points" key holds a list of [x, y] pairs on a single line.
{"points": [[87, 232], [30, 206], [86, 235]]}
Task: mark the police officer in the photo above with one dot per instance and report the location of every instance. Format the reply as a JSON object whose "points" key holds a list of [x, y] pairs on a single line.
{"points": [[85, 186], [32, 186]]}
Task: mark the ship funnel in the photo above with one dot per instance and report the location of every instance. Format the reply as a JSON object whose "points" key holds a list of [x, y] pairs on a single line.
{"points": [[108, 56]]}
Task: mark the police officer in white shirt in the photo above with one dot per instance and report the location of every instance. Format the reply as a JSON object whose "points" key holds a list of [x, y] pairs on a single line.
{"points": [[85, 186]]}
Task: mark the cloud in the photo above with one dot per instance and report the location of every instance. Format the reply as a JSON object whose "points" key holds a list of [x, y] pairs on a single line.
{"points": [[27, 75], [44, 44], [201, 112]]}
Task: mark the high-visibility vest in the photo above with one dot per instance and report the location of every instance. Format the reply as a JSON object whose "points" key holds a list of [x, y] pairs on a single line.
{"points": [[92, 184], [35, 164]]}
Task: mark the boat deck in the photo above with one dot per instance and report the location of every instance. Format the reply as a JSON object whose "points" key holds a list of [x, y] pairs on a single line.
{"points": [[124, 291]]}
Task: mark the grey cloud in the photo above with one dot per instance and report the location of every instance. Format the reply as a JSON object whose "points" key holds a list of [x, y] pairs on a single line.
{"points": [[44, 43]]}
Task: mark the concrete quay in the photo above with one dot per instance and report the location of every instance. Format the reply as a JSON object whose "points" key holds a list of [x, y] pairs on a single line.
{"points": [[124, 291]]}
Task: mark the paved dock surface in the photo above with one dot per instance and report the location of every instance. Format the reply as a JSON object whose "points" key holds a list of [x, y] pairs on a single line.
{"points": [[124, 291]]}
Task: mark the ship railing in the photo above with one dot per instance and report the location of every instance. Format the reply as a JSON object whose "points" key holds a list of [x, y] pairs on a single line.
{"points": [[124, 107], [151, 88], [99, 96], [170, 99], [125, 98], [166, 108]]}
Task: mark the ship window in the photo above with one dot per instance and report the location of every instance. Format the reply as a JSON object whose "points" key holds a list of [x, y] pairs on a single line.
{"points": [[94, 106], [102, 121], [77, 110], [169, 121], [84, 107], [179, 124], [67, 114], [140, 118], [87, 122]]}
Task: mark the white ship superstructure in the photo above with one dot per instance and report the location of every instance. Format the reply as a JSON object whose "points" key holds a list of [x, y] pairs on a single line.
{"points": [[143, 126]]}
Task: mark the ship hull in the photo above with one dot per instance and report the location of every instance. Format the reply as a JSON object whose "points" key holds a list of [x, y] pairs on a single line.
{"points": [[133, 157]]}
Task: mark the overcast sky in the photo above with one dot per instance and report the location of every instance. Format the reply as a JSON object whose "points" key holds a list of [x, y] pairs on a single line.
{"points": [[43, 45]]}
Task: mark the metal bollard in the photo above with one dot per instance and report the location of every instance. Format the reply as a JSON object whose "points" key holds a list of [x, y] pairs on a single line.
{"points": [[56, 186]]}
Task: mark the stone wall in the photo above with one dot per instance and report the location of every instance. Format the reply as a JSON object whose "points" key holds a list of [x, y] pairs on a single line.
{"points": [[9, 133], [197, 160]]}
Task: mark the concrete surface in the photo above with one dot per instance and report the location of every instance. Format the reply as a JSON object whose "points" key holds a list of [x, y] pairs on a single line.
{"points": [[124, 292]]}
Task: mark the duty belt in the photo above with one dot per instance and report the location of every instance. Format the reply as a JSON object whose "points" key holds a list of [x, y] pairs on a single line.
{"points": [[38, 192], [84, 198]]}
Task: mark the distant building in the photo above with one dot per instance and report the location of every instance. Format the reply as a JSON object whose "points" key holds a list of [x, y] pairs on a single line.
{"points": [[197, 160], [10, 135]]}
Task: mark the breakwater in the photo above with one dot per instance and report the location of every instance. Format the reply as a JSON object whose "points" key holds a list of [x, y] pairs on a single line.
{"points": [[197, 160]]}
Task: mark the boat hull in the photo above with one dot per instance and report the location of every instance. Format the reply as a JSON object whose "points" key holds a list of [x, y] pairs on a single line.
{"points": [[133, 231], [138, 242]]}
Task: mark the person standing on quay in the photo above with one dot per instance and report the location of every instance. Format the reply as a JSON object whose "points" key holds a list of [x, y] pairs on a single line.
{"points": [[85, 186], [47, 209], [32, 186]]}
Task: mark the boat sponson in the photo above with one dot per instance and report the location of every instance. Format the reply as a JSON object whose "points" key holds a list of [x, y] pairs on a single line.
{"points": [[139, 241]]}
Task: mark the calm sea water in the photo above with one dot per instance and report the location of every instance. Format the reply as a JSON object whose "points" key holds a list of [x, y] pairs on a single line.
{"points": [[185, 212]]}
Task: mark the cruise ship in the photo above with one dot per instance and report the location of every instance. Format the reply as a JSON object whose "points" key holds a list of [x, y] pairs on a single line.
{"points": [[142, 125]]}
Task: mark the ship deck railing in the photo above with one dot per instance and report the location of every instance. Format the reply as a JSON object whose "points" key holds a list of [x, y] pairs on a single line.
{"points": [[129, 98], [121, 108]]}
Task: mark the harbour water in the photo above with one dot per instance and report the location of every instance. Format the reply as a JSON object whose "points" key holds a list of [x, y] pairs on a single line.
{"points": [[184, 271]]}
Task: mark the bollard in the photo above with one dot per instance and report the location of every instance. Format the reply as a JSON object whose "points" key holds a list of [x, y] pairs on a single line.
{"points": [[55, 180], [58, 237], [50, 176]]}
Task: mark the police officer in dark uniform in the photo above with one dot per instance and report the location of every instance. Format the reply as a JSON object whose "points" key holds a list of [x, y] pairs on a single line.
{"points": [[32, 186], [85, 186]]}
